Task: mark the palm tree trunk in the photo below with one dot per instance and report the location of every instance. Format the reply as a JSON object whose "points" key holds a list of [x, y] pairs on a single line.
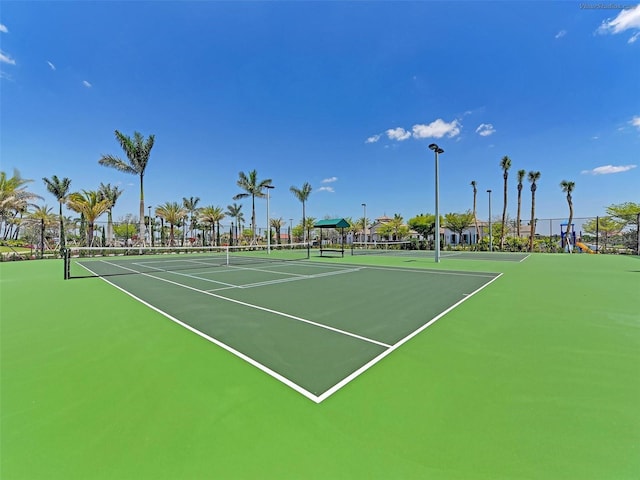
{"points": [[142, 229], [533, 223]]}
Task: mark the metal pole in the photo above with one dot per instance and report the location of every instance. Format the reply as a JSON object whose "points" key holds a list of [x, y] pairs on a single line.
{"points": [[269, 188], [437, 151], [290, 231], [364, 225], [150, 228], [490, 232], [42, 238]]}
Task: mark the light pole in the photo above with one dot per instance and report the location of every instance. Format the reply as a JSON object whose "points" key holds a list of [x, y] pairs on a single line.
{"points": [[364, 225], [437, 151], [490, 232], [290, 231], [269, 188], [150, 230]]}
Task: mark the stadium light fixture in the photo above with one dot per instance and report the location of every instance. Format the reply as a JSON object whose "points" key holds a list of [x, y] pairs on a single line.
{"points": [[437, 150], [269, 188]]}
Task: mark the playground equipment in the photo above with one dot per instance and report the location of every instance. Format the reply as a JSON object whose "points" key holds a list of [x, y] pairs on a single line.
{"points": [[584, 248], [567, 244]]}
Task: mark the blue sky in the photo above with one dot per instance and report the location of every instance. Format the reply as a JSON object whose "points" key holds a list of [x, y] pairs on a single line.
{"points": [[344, 95]]}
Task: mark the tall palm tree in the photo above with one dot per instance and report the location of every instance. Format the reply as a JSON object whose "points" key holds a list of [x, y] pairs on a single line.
{"points": [[505, 164], [521, 175], [276, 224], [191, 206], [90, 205], [252, 188], [568, 187], [172, 213], [475, 216], [212, 215], [234, 211], [533, 177], [59, 188], [137, 150], [302, 194], [14, 200], [111, 194]]}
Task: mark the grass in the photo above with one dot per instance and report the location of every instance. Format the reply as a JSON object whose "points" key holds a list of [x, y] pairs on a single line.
{"points": [[535, 377]]}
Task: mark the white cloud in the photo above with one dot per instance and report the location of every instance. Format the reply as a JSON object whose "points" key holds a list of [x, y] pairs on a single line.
{"points": [[372, 139], [326, 189], [399, 134], [561, 34], [634, 38], [635, 121], [86, 84], [485, 129], [3, 28], [437, 129], [607, 169], [53, 67], [4, 58], [330, 180], [628, 19]]}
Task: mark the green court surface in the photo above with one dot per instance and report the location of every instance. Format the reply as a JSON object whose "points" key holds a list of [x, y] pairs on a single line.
{"points": [[532, 370]]}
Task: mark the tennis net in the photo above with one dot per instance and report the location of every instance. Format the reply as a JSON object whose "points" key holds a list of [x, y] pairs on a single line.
{"points": [[108, 261], [372, 248]]}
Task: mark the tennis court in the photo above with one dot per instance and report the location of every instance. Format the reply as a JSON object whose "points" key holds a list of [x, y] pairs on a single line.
{"points": [[313, 326], [536, 376]]}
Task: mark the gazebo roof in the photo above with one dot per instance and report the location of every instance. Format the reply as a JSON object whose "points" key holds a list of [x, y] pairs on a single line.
{"points": [[332, 223]]}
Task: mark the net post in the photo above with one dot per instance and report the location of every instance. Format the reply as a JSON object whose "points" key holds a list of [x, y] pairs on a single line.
{"points": [[65, 262], [227, 256]]}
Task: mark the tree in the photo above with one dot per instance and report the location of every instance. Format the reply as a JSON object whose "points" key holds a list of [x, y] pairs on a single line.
{"points": [[111, 194], [234, 211], [521, 175], [533, 177], [212, 215], [90, 205], [302, 194], [396, 224], [14, 200], [59, 188], [604, 227], [252, 188], [505, 164], [568, 187], [276, 224], [626, 212], [424, 224], [308, 226], [475, 216], [137, 150], [458, 223], [361, 226], [191, 206], [172, 213]]}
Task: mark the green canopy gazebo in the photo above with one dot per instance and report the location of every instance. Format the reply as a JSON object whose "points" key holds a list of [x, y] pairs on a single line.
{"points": [[340, 223]]}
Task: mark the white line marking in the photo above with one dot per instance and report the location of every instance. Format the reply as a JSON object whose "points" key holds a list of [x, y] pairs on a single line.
{"points": [[315, 398], [401, 342], [264, 309], [229, 349]]}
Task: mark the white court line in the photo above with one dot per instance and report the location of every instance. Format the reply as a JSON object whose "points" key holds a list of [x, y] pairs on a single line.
{"points": [[528, 255], [226, 347], [401, 342], [315, 398], [258, 307], [435, 272], [305, 277]]}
